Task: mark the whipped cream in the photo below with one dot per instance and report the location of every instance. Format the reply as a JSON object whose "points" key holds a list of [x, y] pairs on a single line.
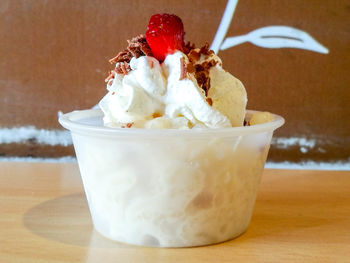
{"points": [[156, 96]]}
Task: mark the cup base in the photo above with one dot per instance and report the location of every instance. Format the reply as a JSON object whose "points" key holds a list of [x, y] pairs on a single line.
{"points": [[237, 235]]}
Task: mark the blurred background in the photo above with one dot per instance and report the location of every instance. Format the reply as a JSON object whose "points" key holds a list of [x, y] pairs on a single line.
{"points": [[54, 57]]}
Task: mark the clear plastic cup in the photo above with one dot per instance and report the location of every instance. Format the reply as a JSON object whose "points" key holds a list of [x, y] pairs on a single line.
{"points": [[169, 188]]}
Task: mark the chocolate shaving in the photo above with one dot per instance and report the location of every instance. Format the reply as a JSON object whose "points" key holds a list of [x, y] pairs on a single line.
{"points": [[146, 50], [137, 47], [156, 115], [200, 71], [110, 75], [190, 68], [205, 50], [246, 123], [188, 47], [183, 73], [208, 64], [203, 79], [122, 68], [202, 74], [210, 101], [194, 56], [135, 52], [121, 57]]}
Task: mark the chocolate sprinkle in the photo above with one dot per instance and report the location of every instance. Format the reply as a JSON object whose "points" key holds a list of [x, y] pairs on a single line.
{"points": [[122, 68], [183, 73], [194, 56], [202, 74], [137, 47], [121, 57], [188, 47], [210, 101], [200, 71], [156, 115], [110, 75], [190, 68], [128, 125], [203, 79], [205, 50]]}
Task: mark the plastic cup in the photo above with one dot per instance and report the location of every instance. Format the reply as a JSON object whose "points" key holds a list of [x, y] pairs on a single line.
{"points": [[169, 188]]}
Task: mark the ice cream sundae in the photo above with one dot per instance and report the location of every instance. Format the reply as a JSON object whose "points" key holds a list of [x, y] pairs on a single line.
{"points": [[172, 158]]}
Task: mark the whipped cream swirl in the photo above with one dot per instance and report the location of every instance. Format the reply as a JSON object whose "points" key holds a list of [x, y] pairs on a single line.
{"points": [[156, 96]]}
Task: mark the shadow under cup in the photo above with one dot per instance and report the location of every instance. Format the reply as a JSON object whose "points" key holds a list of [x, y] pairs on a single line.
{"points": [[169, 188]]}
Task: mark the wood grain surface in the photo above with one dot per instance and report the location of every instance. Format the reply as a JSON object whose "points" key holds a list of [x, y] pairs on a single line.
{"points": [[300, 216]]}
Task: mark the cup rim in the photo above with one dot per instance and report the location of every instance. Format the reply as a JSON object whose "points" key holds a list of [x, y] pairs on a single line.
{"points": [[71, 122]]}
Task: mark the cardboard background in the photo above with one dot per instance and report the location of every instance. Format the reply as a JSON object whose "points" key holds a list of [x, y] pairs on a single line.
{"points": [[54, 56]]}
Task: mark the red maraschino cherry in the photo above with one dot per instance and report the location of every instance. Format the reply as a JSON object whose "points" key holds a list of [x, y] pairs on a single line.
{"points": [[165, 34]]}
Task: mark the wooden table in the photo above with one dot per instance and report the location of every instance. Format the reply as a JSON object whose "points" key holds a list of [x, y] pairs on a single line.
{"points": [[300, 216]]}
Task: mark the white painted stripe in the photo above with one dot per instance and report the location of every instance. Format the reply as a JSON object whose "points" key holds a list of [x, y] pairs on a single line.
{"points": [[64, 159], [340, 166], [62, 137], [310, 165], [224, 25], [303, 143], [277, 37], [285, 142], [41, 136]]}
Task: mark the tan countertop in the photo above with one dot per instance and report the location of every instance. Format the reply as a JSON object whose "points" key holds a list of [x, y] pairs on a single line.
{"points": [[300, 216]]}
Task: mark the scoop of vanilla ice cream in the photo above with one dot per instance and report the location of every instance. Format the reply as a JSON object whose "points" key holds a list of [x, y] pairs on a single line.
{"points": [[228, 95], [155, 96], [261, 117]]}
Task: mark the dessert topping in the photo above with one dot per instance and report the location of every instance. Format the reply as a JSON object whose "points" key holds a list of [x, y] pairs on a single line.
{"points": [[183, 68], [165, 34], [137, 47], [210, 101], [122, 68], [200, 70]]}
